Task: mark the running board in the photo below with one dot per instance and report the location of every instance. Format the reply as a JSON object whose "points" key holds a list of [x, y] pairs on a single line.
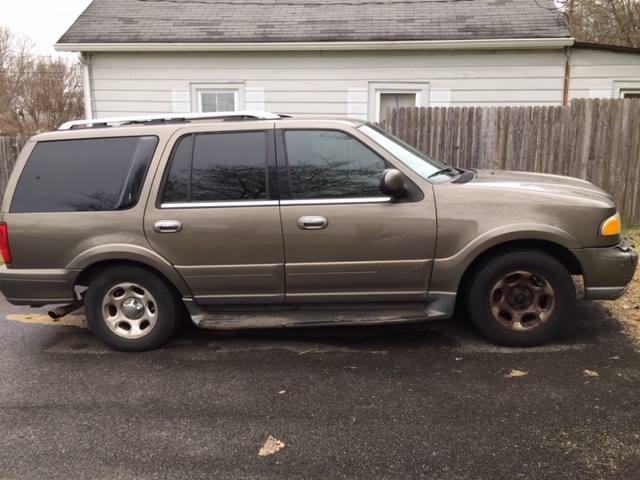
{"points": [[278, 316]]}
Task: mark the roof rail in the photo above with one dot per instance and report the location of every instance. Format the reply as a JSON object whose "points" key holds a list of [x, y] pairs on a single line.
{"points": [[169, 118]]}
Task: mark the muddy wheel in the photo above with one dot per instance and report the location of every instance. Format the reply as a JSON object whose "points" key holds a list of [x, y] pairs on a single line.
{"points": [[521, 298], [132, 309]]}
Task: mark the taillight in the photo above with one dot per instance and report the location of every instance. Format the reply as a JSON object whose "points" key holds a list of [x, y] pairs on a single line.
{"points": [[5, 251]]}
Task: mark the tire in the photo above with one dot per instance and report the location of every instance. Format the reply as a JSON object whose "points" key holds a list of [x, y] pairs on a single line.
{"points": [[131, 309], [522, 298]]}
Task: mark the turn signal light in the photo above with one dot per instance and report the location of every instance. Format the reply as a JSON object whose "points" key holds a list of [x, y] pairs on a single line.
{"points": [[611, 226], [5, 251]]}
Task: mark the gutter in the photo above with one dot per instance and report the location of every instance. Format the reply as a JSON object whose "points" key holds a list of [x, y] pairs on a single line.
{"points": [[485, 44], [85, 61]]}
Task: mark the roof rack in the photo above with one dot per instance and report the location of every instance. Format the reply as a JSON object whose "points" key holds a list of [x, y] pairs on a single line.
{"points": [[169, 118]]}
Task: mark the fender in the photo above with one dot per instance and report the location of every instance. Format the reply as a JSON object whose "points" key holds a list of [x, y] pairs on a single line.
{"points": [[135, 253], [448, 272]]}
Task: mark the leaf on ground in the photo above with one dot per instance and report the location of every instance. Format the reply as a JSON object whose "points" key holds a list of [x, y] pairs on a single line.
{"points": [[271, 446], [516, 373], [591, 373]]}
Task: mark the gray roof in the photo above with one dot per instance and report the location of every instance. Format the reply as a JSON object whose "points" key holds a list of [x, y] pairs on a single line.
{"points": [[231, 21]]}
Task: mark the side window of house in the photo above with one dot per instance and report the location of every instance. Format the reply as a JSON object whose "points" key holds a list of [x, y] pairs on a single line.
{"points": [[98, 174], [218, 167], [331, 164]]}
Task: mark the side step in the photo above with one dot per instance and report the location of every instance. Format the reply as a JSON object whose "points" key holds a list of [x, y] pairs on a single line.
{"points": [[247, 317]]}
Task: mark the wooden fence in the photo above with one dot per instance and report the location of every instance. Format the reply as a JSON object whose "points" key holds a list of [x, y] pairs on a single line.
{"points": [[10, 148], [597, 140]]}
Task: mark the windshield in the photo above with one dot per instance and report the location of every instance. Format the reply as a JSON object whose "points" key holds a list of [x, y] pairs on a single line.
{"points": [[423, 165]]}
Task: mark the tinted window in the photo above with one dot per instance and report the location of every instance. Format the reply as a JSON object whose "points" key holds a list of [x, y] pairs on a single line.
{"points": [[218, 167], [178, 181], [330, 164], [84, 175]]}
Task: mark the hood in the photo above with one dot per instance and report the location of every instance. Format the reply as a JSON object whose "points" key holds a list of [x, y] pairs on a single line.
{"points": [[539, 182]]}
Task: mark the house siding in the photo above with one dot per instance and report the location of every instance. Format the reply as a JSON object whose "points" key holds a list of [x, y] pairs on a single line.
{"points": [[323, 83], [597, 73]]}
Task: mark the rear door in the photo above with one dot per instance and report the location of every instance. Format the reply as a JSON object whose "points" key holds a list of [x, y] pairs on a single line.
{"points": [[344, 240], [216, 216]]}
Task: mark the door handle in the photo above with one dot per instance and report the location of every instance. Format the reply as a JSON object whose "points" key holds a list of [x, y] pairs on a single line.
{"points": [[312, 222], [167, 226]]}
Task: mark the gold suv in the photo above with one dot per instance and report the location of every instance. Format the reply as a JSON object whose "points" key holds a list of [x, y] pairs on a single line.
{"points": [[256, 220]]}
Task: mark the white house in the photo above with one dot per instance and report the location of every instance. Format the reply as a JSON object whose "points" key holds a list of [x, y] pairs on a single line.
{"points": [[336, 57]]}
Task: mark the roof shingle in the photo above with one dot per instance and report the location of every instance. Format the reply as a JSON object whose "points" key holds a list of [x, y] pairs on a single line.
{"points": [[233, 21]]}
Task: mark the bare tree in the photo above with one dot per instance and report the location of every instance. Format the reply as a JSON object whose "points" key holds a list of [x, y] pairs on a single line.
{"points": [[613, 22], [36, 93]]}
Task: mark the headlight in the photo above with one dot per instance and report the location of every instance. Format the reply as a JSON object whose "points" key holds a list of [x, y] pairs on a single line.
{"points": [[611, 226]]}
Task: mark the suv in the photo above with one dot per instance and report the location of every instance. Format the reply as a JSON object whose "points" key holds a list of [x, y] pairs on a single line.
{"points": [[254, 220]]}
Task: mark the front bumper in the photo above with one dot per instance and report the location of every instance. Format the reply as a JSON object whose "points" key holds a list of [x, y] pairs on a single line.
{"points": [[607, 271], [37, 287]]}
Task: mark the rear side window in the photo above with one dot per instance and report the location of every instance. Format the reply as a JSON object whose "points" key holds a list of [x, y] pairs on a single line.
{"points": [[98, 174], [218, 167]]}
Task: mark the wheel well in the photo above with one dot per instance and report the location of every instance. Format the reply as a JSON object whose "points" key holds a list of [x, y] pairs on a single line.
{"points": [[92, 271], [560, 253]]}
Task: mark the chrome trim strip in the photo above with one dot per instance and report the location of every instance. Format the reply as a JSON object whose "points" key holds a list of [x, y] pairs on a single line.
{"points": [[336, 201], [260, 203], [275, 203]]}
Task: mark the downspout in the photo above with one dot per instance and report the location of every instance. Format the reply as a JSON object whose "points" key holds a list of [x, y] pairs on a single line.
{"points": [[85, 60], [567, 76]]}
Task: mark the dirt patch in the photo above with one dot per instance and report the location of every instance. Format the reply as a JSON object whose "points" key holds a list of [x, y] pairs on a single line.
{"points": [[627, 309]]}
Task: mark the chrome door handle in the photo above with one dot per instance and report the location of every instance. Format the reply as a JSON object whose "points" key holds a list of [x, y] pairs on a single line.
{"points": [[311, 222], [168, 226]]}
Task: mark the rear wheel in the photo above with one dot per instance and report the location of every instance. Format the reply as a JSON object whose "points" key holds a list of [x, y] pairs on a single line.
{"points": [[132, 309], [522, 298]]}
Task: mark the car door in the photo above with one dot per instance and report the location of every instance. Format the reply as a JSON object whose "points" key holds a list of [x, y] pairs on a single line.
{"points": [[344, 240], [216, 216]]}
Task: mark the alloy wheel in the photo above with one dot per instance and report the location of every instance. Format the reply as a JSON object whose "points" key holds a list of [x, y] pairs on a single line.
{"points": [[522, 300], [129, 310]]}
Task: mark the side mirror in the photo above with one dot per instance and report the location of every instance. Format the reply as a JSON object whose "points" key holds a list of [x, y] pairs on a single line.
{"points": [[392, 183]]}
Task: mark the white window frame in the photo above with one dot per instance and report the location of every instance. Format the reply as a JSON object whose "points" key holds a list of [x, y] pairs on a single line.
{"points": [[238, 89], [376, 89], [620, 87]]}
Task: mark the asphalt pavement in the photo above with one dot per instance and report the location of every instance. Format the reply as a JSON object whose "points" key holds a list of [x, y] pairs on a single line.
{"points": [[402, 402]]}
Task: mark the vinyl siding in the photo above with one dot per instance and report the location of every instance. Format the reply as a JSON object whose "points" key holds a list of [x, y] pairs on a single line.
{"points": [[595, 73], [323, 83]]}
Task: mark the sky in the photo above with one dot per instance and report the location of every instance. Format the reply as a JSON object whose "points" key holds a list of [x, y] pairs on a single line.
{"points": [[43, 20]]}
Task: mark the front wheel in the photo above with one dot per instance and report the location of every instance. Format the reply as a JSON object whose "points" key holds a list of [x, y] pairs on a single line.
{"points": [[522, 298], [132, 309]]}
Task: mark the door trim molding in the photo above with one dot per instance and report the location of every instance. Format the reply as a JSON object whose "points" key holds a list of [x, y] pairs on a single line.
{"points": [[188, 205], [336, 201]]}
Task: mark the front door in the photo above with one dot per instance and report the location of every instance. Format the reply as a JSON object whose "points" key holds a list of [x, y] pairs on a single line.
{"points": [[344, 240], [216, 219]]}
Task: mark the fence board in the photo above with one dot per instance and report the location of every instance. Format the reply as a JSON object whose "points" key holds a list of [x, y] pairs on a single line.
{"points": [[594, 139]]}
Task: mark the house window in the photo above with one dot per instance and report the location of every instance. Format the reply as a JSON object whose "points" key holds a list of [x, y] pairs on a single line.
{"points": [[226, 97], [385, 95], [626, 88], [396, 100], [217, 100]]}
